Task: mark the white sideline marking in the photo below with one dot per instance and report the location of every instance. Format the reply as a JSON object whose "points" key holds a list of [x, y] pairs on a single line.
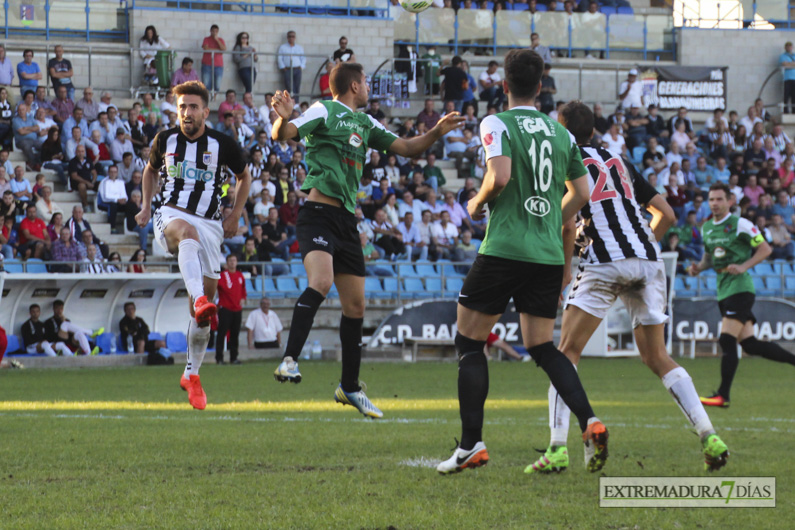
{"points": [[675, 423], [422, 461]]}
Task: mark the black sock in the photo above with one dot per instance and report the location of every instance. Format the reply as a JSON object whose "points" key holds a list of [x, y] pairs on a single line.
{"points": [[728, 364], [473, 387], [303, 317], [767, 350], [351, 341], [564, 377]]}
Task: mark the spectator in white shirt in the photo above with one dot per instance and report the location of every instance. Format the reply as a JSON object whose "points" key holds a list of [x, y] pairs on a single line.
{"points": [[167, 106], [631, 91], [415, 247], [44, 122], [432, 205], [292, 61], [750, 119], [444, 236], [243, 133], [614, 141], [104, 102], [92, 263], [252, 117], [491, 86], [114, 121], [263, 207], [265, 112], [264, 327], [112, 195], [410, 204]]}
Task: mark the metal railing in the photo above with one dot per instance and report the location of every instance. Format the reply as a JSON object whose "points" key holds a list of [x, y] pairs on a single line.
{"points": [[341, 8], [732, 14], [582, 32], [93, 20]]}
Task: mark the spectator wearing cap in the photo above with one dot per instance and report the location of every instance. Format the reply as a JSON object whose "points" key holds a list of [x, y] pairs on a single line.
{"points": [[184, 74], [121, 144], [631, 90]]}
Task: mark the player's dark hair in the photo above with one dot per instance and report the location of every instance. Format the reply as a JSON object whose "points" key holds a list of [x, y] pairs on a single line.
{"points": [[193, 88], [32, 306], [128, 304], [57, 303], [578, 118], [187, 60], [720, 186], [457, 60], [493, 63], [343, 75], [523, 70]]}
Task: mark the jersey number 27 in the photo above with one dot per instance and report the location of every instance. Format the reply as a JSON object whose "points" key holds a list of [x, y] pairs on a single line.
{"points": [[604, 188]]}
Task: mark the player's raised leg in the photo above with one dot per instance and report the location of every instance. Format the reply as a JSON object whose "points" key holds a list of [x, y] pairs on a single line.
{"points": [[319, 267], [351, 289], [473, 389], [577, 328]]}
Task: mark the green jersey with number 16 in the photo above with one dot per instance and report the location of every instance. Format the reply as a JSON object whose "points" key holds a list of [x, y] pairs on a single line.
{"points": [[337, 139], [525, 219], [729, 242]]}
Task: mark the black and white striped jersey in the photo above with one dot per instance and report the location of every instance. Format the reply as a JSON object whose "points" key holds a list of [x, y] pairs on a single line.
{"points": [[192, 171], [613, 226]]}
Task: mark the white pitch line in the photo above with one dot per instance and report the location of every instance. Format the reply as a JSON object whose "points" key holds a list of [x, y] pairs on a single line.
{"points": [[675, 423]]}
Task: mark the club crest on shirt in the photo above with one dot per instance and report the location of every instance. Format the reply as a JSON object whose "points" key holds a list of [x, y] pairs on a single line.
{"points": [[488, 139], [355, 140], [207, 158]]}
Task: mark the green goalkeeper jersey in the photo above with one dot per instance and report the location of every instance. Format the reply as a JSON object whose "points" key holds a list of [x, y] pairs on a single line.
{"points": [[525, 220], [730, 242], [337, 139]]}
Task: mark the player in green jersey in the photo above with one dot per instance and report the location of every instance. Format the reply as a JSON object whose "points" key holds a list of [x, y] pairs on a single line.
{"points": [[732, 245], [531, 161], [337, 139]]}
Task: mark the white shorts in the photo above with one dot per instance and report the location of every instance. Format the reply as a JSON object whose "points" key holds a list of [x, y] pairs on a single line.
{"points": [[211, 236], [640, 284]]}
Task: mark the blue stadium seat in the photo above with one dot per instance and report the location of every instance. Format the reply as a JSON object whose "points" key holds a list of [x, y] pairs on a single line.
{"points": [[155, 336], [425, 269], [297, 268], [391, 287], [176, 341], [105, 341], [449, 270], [453, 286], [286, 285], [759, 285], [35, 265], [625, 10], [254, 287], [709, 286], [415, 288], [406, 270], [14, 344], [540, 7], [637, 154], [121, 349], [790, 285], [520, 7], [13, 266], [303, 283], [773, 284], [691, 286], [372, 286], [333, 293], [270, 288], [433, 286]]}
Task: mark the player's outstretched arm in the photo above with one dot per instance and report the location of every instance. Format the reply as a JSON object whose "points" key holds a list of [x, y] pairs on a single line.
{"points": [[283, 106], [419, 144], [148, 185], [498, 173], [241, 195], [662, 216], [576, 198]]}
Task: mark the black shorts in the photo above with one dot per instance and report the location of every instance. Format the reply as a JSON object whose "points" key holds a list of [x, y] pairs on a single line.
{"points": [[492, 282], [738, 307], [331, 229]]}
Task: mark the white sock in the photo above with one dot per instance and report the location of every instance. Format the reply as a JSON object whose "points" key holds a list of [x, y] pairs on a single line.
{"points": [[190, 267], [680, 385], [197, 347], [63, 349], [48, 349], [559, 415]]}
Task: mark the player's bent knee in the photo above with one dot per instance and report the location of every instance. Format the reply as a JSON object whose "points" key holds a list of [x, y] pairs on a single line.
{"points": [[751, 345], [322, 285], [728, 344], [542, 353]]}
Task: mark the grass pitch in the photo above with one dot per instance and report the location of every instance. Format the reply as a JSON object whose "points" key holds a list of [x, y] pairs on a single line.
{"points": [[121, 448]]}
